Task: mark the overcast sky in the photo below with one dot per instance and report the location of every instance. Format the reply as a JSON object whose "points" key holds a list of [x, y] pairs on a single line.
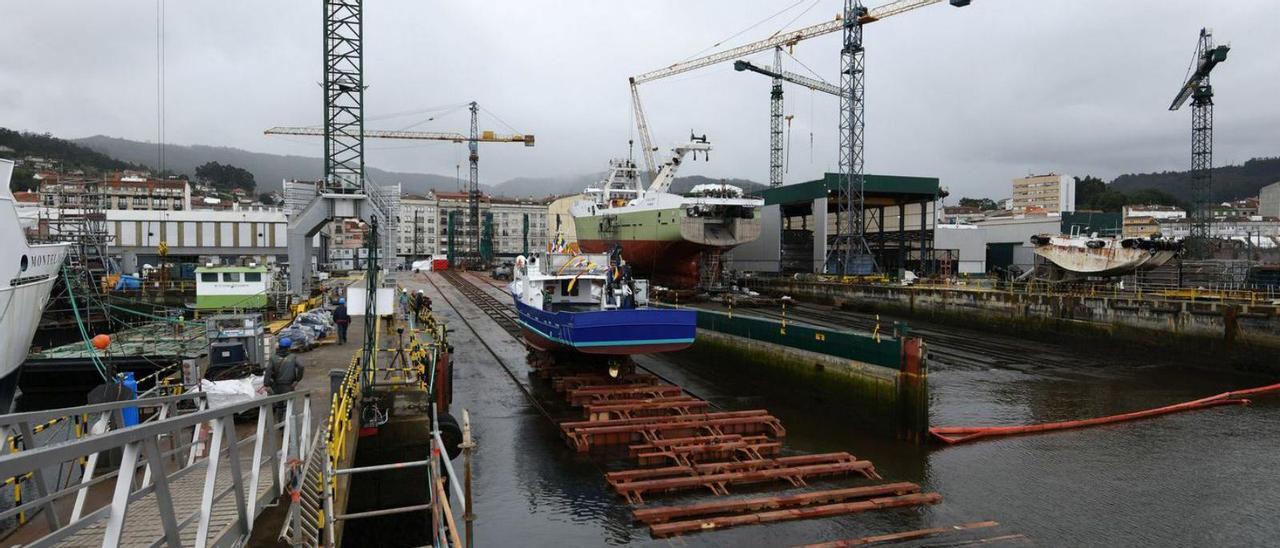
{"points": [[974, 96]]}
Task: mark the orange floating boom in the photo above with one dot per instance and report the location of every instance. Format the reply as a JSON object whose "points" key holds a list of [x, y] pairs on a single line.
{"points": [[962, 434]]}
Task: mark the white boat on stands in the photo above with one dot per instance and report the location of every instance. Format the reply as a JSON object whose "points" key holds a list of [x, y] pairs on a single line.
{"points": [[1081, 255], [590, 304], [28, 274]]}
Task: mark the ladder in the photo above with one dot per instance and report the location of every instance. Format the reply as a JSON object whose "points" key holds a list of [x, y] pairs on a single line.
{"points": [[307, 493], [710, 268]]}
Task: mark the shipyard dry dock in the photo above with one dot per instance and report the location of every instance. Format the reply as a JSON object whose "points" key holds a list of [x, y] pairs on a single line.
{"points": [[1168, 481], [701, 450]]}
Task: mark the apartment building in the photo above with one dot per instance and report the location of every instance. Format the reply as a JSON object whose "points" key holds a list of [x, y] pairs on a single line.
{"points": [[1051, 193], [418, 231], [118, 191], [423, 225]]}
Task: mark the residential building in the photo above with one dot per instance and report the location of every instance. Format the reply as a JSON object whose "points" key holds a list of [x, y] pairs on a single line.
{"points": [[961, 215], [417, 232], [199, 201], [1141, 226], [1051, 193], [118, 191], [1245, 208], [1143, 221], [560, 221], [1155, 211], [347, 234], [1234, 228], [423, 224], [518, 222], [26, 199]]}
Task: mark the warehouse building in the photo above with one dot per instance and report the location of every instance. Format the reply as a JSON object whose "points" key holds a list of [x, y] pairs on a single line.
{"points": [[799, 224]]}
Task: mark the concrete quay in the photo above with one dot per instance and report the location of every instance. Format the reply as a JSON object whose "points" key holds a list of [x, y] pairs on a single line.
{"points": [[1235, 333]]}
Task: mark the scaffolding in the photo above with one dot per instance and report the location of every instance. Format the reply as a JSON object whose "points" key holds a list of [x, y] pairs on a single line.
{"points": [[73, 212]]}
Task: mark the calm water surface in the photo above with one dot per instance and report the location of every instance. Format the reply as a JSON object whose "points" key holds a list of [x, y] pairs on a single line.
{"points": [[1202, 478]]}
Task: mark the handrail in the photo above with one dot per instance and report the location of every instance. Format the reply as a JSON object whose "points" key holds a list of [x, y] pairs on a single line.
{"points": [[272, 446], [48, 414], [419, 372], [18, 463]]}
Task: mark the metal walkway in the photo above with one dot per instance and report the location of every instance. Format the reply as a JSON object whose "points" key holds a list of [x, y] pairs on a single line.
{"points": [[169, 487]]}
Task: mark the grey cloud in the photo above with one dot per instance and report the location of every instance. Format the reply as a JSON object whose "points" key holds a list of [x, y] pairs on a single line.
{"points": [[974, 96]]}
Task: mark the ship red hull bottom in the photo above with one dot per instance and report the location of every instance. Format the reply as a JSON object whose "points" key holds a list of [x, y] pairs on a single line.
{"points": [[673, 263]]}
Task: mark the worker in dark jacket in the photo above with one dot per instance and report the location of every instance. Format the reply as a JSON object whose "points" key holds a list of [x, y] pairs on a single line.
{"points": [[342, 320], [284, 371]]}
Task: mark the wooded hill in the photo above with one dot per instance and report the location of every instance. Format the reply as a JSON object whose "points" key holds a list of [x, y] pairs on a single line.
{"points": [[1229, 182]]}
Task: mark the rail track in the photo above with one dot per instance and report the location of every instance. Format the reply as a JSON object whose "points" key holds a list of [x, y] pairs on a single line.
{"points": [[498, 311], [679, 442]]}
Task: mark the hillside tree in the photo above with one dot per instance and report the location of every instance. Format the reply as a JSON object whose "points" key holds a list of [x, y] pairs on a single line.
{"points": [[984, 204], [225, 177]]}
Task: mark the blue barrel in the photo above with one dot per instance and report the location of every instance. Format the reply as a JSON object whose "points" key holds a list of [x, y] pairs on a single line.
{"points": [[130, 413]]}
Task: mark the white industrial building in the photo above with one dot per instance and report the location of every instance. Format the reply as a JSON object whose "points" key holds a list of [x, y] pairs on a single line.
{"points": [[1269, 200], [193, 232]]}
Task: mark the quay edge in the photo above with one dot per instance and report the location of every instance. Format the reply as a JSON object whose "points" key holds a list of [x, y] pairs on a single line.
{"points": [[1238, 335], [878, 382]]}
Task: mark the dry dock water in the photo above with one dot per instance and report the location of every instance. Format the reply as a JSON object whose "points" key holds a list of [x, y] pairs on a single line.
{"points": [[1203, 478]]}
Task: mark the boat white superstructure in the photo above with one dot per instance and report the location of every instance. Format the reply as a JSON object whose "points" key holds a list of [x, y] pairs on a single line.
{"points": [[663, 235], [27, 273]]}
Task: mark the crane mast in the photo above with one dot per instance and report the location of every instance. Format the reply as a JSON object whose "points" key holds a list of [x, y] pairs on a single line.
{"points": [[775, 107], [1200, 92], [849, 245], [344, 96], [470, 230], [848, 252], [775, 122], [472, 252]]}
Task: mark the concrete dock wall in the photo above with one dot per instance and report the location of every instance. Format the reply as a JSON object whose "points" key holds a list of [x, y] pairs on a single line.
{"points": [[1233, 334], [819, 367]]}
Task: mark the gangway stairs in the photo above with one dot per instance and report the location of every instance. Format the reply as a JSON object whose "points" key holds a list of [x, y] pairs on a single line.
{"points": [[186, 474]]}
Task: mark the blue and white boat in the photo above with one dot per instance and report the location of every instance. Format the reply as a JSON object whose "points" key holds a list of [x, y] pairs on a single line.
{"points": [[589, 303]]}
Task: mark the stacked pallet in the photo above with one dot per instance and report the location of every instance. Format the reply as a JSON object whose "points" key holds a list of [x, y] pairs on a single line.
{"points": [[680, 444]]}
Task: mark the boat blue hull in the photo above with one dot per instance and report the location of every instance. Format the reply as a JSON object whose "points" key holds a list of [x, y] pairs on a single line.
{"points": [[610, 332]]}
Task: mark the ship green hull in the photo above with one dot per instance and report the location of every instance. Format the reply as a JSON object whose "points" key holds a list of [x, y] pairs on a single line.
{"points": [[650, 226], [663, 244]]}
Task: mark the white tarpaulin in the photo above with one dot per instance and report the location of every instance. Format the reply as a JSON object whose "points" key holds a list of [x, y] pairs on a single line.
{"points": [[232, 391]]}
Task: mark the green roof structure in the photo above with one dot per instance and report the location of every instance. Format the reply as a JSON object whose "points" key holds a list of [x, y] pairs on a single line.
{"points": [[910, 189]]}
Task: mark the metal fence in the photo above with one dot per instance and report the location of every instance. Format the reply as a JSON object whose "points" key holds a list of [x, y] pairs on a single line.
{"points": [[315, 515], [156, 496]]}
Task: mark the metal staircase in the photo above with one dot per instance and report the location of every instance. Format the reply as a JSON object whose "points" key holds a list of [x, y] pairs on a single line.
{"points": [[711, 269], [306, 513], [186, 476]]}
